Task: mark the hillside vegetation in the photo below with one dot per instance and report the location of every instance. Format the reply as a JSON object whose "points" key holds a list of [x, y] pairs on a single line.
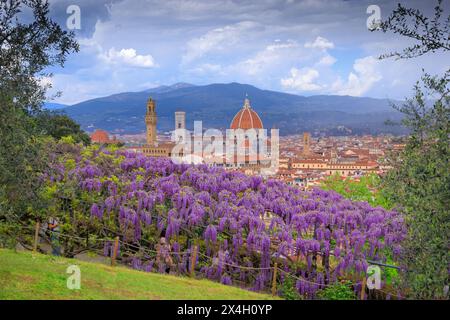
{"points": [[25, 275]]}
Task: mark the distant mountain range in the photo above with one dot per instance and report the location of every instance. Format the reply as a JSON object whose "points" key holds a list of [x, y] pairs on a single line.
{"points": [[216, 104], [54, 106]]}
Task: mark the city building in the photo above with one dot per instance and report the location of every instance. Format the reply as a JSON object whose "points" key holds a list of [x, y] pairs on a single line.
{"points": [[251, 145], [306, 143], [153, 147], [180, 120], [246, 118], [102, 137], [306, 161]]}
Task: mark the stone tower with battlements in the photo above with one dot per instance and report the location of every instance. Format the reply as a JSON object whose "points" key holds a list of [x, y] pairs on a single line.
{"points": [[150, 122], [180, 120], [306, 143]]}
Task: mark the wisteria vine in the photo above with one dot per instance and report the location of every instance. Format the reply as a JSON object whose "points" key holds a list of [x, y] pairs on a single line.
{"points": [[240, 224]]}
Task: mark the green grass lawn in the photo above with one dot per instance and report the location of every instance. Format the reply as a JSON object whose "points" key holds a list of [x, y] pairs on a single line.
{"points": [[26, 275]]}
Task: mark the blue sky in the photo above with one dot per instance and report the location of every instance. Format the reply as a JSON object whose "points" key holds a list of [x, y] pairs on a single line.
{"points": [[305, 47]]}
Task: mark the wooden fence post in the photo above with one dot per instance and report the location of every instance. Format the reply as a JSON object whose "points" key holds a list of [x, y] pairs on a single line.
{"points": [[274, 279], [193, 260], [114, 254], [36, 236], [363, 288]]}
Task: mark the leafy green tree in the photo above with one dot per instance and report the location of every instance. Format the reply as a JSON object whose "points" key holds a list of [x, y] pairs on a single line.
{"points": [[420, 179], [420, 183], [27, 49], [21, 158], [29, 43], [59, 125], [367, 188]]}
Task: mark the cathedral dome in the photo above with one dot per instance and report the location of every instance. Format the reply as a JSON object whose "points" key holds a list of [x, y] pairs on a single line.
{"points": [[246, 118]]}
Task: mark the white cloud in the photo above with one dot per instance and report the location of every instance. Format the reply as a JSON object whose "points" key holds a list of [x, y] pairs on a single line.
{"points": [[327, 60], [365, 75], [215, 40], [320, 48], [213, 37], [75, 91], [266, 58], [206, 68], [128, 57], [302, 80], [320, 43]]}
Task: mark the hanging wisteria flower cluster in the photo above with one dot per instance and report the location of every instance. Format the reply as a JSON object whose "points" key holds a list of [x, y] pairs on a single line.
{"points": [[240, 225]]}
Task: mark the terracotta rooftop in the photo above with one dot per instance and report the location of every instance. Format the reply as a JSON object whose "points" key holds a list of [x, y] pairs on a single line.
{"points": [[246, 118], [100, 136]]}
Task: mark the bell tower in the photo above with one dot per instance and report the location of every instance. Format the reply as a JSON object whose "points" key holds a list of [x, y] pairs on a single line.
{"points": [[150, 122], [306, 143]]}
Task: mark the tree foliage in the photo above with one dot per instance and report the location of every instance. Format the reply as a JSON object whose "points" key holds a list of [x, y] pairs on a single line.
{"points": [[420, 180], [27, 48], [59, 125], [420, 184], [367, 188], [29, 43], [430, 34], [338, 291]]}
